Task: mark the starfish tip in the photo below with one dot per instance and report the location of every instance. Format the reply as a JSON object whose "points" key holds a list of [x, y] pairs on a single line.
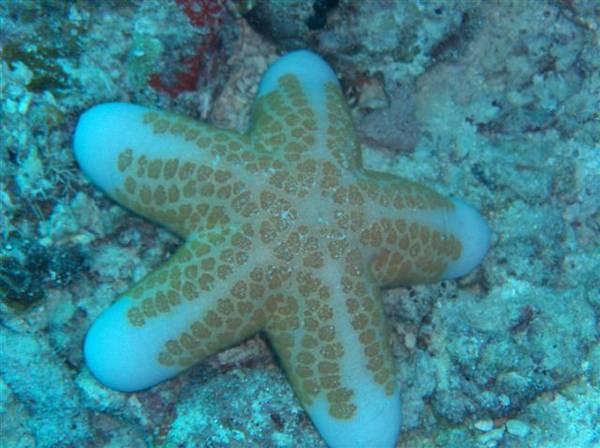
{"points": [[114, 354], [307, 66], [102, 132], [474, 236]]}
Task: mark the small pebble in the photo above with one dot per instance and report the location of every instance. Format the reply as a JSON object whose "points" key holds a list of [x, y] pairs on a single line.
{"points": [[484, 425], [490, 439], [517, 428], [24, 104], [10, 106]]}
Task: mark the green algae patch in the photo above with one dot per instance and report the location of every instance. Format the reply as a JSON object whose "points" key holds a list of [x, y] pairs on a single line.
{"points": [[41, 60]]}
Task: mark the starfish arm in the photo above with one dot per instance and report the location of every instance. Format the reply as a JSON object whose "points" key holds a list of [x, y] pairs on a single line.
{"points": [[414, 235], [194, 305], [159, 164], [300, 108], [332, 343]]}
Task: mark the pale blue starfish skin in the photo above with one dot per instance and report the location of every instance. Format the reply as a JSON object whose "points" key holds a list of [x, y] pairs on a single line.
{"points": [[285, 233]]}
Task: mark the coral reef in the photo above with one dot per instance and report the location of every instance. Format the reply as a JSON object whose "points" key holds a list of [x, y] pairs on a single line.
{"points": [[504, 101]]}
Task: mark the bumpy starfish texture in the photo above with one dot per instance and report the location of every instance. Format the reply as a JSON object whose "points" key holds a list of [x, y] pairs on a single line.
{"points": [[285, 232]]}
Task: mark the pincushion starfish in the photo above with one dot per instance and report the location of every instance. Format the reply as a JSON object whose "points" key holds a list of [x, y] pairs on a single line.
{"points": [[285, 232]]}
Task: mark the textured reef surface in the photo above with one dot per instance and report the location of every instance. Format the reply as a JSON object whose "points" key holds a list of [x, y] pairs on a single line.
{"points": [[493, 102]]}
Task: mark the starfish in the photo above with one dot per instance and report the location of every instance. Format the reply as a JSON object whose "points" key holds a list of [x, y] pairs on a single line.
{"points": [[286, 233]]}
